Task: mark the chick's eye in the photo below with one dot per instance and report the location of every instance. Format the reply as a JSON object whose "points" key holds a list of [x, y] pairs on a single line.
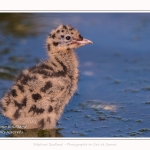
{"points": [[68, 37]]}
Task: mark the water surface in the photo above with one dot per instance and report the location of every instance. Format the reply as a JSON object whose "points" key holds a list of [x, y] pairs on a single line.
{"points": [[113, 96]]}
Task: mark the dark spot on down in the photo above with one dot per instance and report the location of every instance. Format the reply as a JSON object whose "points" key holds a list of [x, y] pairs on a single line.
{"points": [[41, 123], [22, 104], [55, 43], [43, 72], [16, 114], [55, 74], [7, 101], [71, 29], [21, 88], [62, 64], [64, 27], [62, 30], [62, 36], [19, 105], [80, 37], [53, 36], [50, 109], [42, 69], [14, 93], [25, 78], [36, 96], [58, 31], [36, 110], [30, 90], [46, 87], [54, 64], [4, 108]]}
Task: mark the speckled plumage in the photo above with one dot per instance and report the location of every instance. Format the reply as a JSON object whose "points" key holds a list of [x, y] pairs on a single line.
{"points": [[40, 93]]}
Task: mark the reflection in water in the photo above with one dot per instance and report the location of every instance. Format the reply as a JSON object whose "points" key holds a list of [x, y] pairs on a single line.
{"points": [[34, 133], [17, 24], [14, 26], [39, 133]]}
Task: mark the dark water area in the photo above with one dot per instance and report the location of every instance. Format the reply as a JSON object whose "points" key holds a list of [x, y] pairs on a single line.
{"points": [[113, 96]]}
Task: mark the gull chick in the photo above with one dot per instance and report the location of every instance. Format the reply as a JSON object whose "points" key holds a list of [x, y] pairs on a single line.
{"points": [[40, 93]]}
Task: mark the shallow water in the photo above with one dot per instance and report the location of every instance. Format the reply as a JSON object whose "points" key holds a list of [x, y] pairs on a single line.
{"points": [[113, 97]]}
